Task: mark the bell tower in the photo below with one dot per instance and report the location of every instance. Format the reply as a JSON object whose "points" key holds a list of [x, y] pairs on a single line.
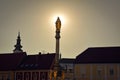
{"points": [[18, 45]]}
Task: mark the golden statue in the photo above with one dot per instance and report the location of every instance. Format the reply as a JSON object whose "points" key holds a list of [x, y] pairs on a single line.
{"points": [[63, 75], [55, 74], [58, 24], [50, 75]]}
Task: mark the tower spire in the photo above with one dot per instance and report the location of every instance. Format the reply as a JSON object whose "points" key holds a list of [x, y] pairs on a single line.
{"points": [[18, 45]]}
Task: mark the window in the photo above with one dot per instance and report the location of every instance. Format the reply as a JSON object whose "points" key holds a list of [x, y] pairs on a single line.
{"points": [[8, 78], [2, 77], [111, 72], [71, 70], [83, 72], [35, 75], [43, 75], [27, 75], [99, 72]]}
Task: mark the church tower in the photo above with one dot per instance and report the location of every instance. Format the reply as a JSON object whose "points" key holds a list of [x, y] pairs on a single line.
{"points": [[18, 45]]}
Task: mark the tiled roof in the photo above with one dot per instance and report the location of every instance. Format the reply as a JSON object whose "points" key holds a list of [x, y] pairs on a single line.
{"points": [[40, 61], [10, 61], [99, 55]]}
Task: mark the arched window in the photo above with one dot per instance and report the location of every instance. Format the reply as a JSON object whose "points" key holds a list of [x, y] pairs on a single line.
{"points": [[19, 76], [43, 76], [27, 76], [35, 76]]}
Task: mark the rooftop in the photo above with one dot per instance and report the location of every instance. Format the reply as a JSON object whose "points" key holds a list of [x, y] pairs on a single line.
{"points": [[9, 61], [99, 55], [22, 61]]}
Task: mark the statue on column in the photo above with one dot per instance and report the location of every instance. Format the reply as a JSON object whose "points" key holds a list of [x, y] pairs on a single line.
{"points": [[58, 24]]}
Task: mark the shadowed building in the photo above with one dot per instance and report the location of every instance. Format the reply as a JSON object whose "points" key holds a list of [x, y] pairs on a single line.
{"points": [[10, 61], [68, 66], [20, 66], [8, 64], [100, 63], [35, 67]]}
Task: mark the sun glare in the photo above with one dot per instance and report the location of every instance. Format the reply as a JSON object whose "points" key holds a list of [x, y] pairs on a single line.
{"points": [[62, 18]]}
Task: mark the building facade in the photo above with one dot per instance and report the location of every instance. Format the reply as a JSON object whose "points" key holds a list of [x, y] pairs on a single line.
{"points": [[35, 67], [6, 75], [8, 64], [20, 66], [68, 66], [101, 63]]}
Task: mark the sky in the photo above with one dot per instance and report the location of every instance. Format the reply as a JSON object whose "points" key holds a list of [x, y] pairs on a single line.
{"points": [[85, 23]]}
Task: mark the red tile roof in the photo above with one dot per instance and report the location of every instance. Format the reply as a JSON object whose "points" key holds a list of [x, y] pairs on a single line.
{"points": [[10, 61], [99, 55]]}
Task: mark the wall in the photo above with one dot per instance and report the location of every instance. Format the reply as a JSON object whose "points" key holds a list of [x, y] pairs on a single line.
{"points": [[68, 70], [6, 75], [32, 75], [97, 71]]}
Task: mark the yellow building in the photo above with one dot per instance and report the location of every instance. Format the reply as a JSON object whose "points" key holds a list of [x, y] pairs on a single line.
{"points": [[101, 63]]}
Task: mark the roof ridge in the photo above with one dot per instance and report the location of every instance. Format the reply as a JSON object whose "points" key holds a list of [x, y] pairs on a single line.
{"points": [[104, 47]]}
